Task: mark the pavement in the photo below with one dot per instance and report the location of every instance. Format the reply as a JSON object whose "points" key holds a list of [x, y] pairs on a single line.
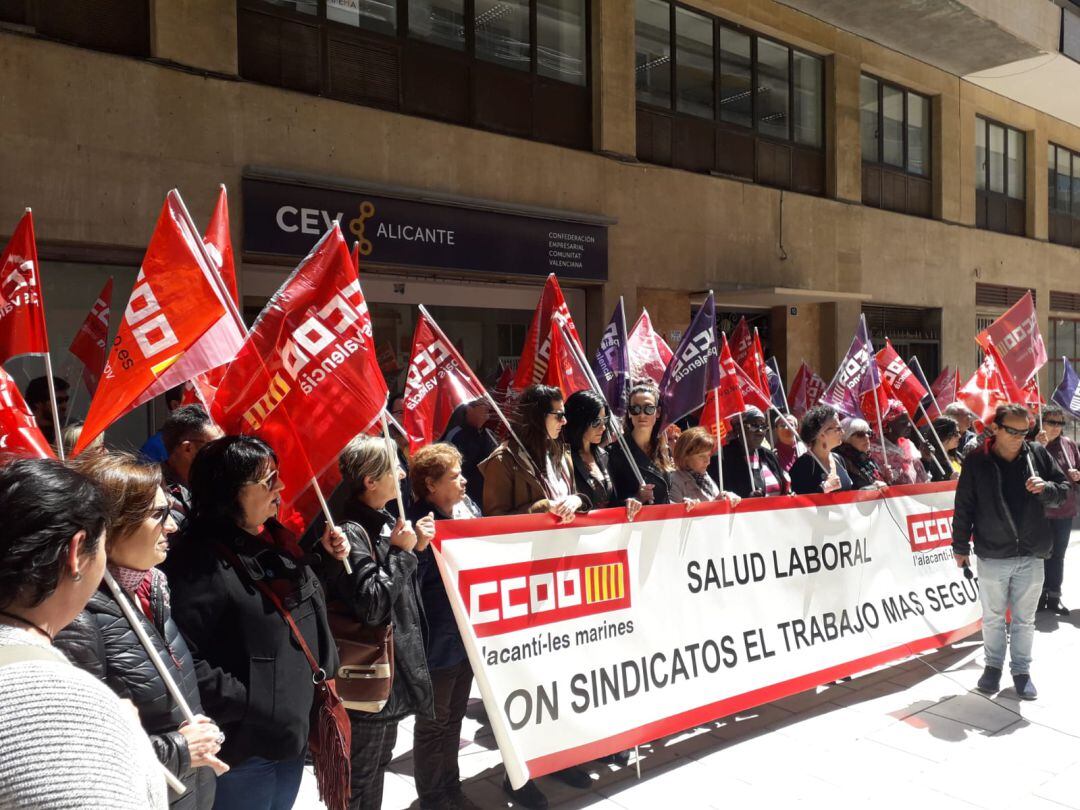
{"points": [[912, 735]]}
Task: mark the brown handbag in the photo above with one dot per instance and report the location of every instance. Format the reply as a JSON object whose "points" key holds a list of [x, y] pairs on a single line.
{"points": [[365, 675]]}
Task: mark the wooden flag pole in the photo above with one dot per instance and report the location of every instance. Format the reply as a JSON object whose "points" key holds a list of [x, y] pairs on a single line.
{"points": [[391, 450], [720, 446], [58, 429]]}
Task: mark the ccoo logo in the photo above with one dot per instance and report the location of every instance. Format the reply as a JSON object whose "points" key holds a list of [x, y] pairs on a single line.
{"points": [[930, 530]]}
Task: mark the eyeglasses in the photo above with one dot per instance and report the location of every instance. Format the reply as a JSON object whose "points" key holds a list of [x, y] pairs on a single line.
{"points": [[756, 427], [270, 482], [1014, 431], [560, 415], [1053, 423], [637, 410], [597, 422]]}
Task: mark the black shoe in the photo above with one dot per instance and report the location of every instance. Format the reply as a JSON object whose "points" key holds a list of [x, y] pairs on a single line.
{"points": [[528, 795], [1053, 604], [990, 682], [1025, 689], [622, 758], [573, 776], [1044, 604]]}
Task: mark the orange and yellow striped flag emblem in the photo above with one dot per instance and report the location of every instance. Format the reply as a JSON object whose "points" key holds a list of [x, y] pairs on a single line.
{"points": [[603, 583]]}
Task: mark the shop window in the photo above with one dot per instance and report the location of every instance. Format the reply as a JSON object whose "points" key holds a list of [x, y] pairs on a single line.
{"points": [[714, 97], [519, 67], [895, 141], [999, 177], [1063, 191], [116, 26]]}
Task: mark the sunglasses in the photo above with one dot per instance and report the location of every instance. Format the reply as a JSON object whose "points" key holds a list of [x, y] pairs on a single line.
{"points": [[560, 415], [597, 422], [1053, 423], [862, 434], [270, 482], [637, 410], [756, 427], [1014, 431]]}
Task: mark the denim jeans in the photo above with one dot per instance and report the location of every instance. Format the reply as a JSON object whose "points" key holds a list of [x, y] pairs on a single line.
{"points": [[1055, 566], [1015, 584], [260, 784]]}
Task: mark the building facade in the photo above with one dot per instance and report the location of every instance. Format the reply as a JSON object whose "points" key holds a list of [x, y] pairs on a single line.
{"points": [[808, 160]]}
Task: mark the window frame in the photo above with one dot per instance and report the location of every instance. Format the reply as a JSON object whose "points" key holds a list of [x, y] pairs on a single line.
{"points": [[987, 123], [880, 136], [1064, 226], [984, 197]]}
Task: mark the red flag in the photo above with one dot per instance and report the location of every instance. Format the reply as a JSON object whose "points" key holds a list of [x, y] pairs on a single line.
{"points": [[751, 394], [1032, 395], [726, 397], [886, 399], [944, 388], [742, 342], [648, 351], [438, 381], [19, 433], [176, 324], [904, 384], [991, 385], [1017, 339], [306, 380], [534, 356], [754, 361], [89, 342], [22, 309], [805, 391], [564, 370]]}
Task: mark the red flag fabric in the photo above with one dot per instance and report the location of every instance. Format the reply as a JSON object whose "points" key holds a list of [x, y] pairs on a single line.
{"points": [[534, 355], [22, 308], [176, 324], [751, 394], [306, 380], [944, 389], [886, 401], [741, 342], [437, 382], [89, 342], [1032, 395], [649, 352], [564, 370], [991, 385], [806, 390], [19, 433], [902, 381], [754, 362], [1017, 339], [726, 397]]}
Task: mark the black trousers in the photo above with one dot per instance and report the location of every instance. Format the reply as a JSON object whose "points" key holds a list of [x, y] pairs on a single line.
{"points": [[372, 748], [436, 740]]}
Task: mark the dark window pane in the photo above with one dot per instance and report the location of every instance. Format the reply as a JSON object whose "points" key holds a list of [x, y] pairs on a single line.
{"points": [[1076, 185], [868, 118], [1063, 180], [1015, 167], [438, 21], [892, 108], [502, 32], [918, 134], [560, 35], [736, 102], [652, 47], [694, 63], [772, 89], [375, 15], [980, 153], [808, 102], [996, 156], [1051, 182]]}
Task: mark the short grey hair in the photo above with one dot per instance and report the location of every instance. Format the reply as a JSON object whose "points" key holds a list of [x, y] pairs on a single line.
{"points": [[853, 425], [364, 457], [955, 409]]}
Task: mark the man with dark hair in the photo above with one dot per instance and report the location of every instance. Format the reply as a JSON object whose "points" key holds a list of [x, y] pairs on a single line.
{"points": [[153, 449], [1006, 484], [187, 429], [37, 400]]}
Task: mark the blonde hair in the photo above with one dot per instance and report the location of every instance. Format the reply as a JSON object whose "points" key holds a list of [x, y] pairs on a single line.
{"points": [[691, 442], [364, 457], [432, 461]]}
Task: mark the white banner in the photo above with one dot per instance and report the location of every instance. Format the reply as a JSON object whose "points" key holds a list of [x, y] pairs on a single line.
{"points": [[592, 638]]}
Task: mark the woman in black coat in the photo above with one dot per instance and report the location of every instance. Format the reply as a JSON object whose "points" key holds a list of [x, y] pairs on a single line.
{"points": [[820, 469], [764, 475], [101, 641], [253, 677], [586, 429], [648, 448]]}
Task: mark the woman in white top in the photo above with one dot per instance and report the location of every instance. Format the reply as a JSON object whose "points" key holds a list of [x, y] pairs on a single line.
{"points": [[67, 740]]}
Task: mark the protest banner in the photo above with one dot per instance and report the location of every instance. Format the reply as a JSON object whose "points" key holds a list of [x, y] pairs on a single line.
{"points": [[595, 637]]}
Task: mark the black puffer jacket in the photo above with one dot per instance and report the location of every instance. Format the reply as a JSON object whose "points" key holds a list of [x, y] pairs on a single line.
{"points": [[101, 641], [383, 589], [980, 508]]}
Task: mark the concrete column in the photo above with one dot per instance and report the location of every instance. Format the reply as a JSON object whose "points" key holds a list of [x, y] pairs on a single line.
{"points": [[198, 33], [963, 175], [844, 152], [614, 95], [1036, 185], [948, 158]]}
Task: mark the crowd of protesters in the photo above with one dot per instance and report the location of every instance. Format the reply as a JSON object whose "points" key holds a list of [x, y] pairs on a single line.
{"points": [[245, 614]]}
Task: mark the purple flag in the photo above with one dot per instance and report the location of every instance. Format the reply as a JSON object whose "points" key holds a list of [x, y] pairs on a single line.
{"points": [[1067, 394], [776, 390], [694, 369], [612, 362], [857, 375]]}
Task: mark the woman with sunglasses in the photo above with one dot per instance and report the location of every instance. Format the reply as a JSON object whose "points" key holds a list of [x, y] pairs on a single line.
{"points": [[1064, 451], [586, 429], [101, 641], [820, 469], [254, 678], [947, 466], [648, 447], [539, 476], [855, 451], [752, 459]]}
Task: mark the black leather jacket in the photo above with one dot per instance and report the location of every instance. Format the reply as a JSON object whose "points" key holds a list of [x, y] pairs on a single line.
{"points": [[382, 589], [101, 641]]}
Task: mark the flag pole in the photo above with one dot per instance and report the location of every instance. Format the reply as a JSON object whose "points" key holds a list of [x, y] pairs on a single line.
{"points": [[1038, 404], [933, 430], [720, 444], [58, 429], [881, 435], [783, 390], [391, 450]]}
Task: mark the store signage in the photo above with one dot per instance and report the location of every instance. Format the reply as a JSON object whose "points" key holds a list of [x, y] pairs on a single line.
{"points": [[286, 219]]}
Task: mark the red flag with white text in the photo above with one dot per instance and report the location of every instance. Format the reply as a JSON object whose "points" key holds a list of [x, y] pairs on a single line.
{"points": [[1017, 339], [726, 397], [754, 362], [742, 342], [564, 370], [944, 388], [306, 380], [649, 353], [534, 355], [806, 390], [991, 385], [437, 382], [89, 342], [902, 381], [176, 324], [22, 307], [19, 433]]}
